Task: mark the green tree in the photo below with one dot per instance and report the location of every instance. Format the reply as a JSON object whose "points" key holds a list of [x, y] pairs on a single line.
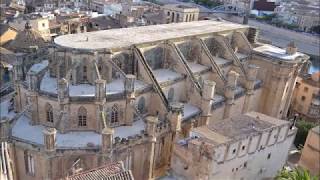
{"points": [[296, 174], [303, 129]]}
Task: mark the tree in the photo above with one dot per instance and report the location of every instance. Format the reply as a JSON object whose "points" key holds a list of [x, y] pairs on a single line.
{"points": [[296, 174], [303, 129]]}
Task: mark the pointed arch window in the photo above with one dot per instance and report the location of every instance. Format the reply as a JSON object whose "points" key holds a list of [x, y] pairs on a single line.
{"points": [[29, 163], [141, 105], [170, 94], [82, 116], [84, 73], [114, 114], [49, 113]]}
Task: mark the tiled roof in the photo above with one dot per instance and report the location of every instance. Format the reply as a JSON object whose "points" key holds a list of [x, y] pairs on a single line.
{"points": [[113, 171]]}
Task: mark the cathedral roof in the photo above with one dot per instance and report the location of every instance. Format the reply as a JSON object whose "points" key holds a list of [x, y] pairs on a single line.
{"points": [[25, 40]]}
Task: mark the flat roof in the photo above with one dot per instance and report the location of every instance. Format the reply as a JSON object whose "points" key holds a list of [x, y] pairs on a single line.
{"points": [[125, 37]]}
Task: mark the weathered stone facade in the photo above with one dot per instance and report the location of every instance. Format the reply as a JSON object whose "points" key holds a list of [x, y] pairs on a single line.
{"points": [[129, 94]]}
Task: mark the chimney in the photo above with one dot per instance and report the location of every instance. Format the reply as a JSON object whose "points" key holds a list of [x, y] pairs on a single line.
{"points": [[291, 48]]}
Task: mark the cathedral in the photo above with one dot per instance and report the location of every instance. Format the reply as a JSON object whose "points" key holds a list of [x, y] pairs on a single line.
{"points": [[129, 94]]}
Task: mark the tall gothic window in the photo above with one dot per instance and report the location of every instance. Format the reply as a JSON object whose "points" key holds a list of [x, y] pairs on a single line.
{"points": [[170, 94], [172, 17], [141, 105], [29, 163], [82, 117], [84, 73], [114, 114], [49, 113]]}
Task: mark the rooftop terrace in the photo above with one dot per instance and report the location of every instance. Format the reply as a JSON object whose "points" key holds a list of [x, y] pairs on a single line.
{"points": [[125, 37]]}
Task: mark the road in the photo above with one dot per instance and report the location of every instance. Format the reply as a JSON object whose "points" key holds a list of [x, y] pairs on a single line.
{"points": [[306, 43], [277, 36]]}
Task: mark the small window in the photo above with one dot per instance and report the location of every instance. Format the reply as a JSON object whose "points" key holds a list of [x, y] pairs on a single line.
{"points": [[245, 165], [114, 115], [49, 113], [297, 84], [233, 151], [269, 156], [43, 25], [303, 98], [82, 117], [232, 169], [306, 89], [243, 147]]}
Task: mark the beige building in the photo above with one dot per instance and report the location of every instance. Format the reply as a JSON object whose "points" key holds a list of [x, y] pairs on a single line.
{"points": [[128, 95], [174, 13], [250, 146], [311, 152], [306, 97]]}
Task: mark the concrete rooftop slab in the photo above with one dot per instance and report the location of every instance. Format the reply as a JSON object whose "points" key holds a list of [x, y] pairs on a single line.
{"points": [[125, 37]]}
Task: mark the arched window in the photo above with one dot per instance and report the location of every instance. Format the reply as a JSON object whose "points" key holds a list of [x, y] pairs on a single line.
{"points": [[49, 113], [177, 18], [168, 13], [172, 17], [170, 94], [141, 105], [84, 77], [114, 114], [82, 116]]}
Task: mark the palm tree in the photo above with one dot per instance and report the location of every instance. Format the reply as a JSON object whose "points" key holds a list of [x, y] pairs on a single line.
{"points": [[296, 174]]}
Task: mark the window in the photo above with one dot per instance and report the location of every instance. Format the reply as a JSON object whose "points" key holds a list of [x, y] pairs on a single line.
{"points": [[305, 89], [243, 147], [303, 98], [84, 73], [43, 25], [297, 84], [245, 165], [172, 17], [82, 117], [269, 156], [233, 151], [141, 105], [114, 114], [170, 94], [177, 18], [128, 161], [49, 113], [168, 13], [29, 163]]}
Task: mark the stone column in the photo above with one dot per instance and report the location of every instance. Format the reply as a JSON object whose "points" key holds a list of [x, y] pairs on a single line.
{"points": [[63, 91], [230, 92], [291, 87], [100, 89], [34, 108], [206, 101], [107, 140], [151, 131], [4, 129], [252, 72], [130, 97], [274, 102], [49, 139]]}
